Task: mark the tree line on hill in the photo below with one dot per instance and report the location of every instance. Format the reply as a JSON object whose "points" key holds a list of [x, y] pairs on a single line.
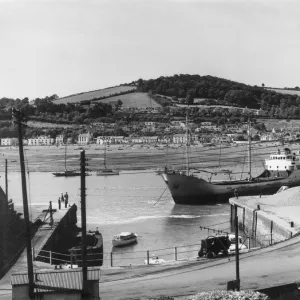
{"points": [[45, 110], [225, 91]]}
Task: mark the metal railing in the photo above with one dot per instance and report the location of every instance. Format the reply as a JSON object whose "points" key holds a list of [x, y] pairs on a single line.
{"points": [[145, 257]]}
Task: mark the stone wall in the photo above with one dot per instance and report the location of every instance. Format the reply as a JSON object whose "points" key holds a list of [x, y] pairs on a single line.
{"points": [[259, 225]]}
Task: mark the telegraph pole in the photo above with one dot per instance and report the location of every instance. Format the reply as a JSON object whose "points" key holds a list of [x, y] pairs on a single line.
{"points": [[83, 219], [19, 118], [249, 148], [237, 262], [6, 187]]}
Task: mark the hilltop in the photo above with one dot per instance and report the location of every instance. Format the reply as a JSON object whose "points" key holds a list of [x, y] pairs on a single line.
{"points": [[184, 88]]}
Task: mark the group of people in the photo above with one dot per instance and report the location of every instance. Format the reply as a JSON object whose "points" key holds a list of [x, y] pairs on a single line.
{"points": [[63, 198]]}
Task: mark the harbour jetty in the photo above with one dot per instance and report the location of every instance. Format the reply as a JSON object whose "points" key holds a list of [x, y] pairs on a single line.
{"points": [[56, 231], [269, 219]]}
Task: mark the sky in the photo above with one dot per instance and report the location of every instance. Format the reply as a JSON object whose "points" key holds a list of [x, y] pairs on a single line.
{"points": [[65, 47]]}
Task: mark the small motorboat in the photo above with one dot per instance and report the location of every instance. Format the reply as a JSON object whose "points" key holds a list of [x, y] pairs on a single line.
{"points": [[154, 261], [124, 238]]}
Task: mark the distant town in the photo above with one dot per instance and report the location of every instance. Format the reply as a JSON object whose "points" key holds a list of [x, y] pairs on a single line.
{"points": [[174, 132]]}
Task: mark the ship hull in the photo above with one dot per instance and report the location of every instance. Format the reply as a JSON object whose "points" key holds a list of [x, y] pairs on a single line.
{"points": [[190, 190]]}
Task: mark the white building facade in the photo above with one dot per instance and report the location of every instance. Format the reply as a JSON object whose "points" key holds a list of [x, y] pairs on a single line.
{"points": [[84, 138], [42, 140], [9, 142]]}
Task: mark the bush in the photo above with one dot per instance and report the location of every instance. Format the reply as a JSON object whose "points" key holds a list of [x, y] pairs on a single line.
{"points": [[224, 295]]}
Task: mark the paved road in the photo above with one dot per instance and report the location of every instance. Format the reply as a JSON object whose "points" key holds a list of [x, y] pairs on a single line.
{"points": [[279, 264], [275, 265]]}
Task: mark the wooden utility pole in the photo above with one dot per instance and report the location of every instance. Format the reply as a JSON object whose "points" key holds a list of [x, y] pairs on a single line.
{"points": [[6, 187], [83, 219], [249, 149], [237, 262], [19, 118]]}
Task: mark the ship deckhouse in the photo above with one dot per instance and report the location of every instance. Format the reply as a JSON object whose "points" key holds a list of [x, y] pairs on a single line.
{"points": [[283, 160]]}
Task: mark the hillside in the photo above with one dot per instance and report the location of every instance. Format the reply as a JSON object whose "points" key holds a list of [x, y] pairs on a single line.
{"points": [[210, 87], [132, 100], [285, 91], [93, 95]]}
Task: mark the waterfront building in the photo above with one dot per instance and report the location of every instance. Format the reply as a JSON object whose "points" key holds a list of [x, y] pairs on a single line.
{"points": [[179, 138], [222, 139], [42, 140], [111, 140], [59, 140], [137, 140], [165, 139], [9, 141], [84, 138], [149, 139]]}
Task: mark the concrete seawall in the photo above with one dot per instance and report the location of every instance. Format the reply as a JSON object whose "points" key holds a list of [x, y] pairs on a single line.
{"points": [[61, 236], [268, 219]]}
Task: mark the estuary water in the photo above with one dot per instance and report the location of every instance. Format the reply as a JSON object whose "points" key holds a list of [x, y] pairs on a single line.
{"points": [[134, 201]]}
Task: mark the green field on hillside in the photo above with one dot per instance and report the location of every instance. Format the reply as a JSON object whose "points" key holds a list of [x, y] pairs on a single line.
{"points": [[277, 123], [133, 100], [94, 94], [48, 125], [282, 91]]}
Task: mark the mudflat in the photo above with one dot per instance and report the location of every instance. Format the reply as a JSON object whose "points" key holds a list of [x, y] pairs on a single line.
{"points": [[145, 157]]}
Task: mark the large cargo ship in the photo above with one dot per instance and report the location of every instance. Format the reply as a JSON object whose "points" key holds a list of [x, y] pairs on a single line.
{"points": [[281, 169]]}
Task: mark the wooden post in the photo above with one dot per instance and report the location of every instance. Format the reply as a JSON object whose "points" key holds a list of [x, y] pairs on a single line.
{"points": [[6, 187], [21, 121], [71, 260], [32, 254], [148, 257], [83, 220], [271, 232], [244, 218], [111, 259], [50, 252], [237, 262], [249, 243], [175, 253]]}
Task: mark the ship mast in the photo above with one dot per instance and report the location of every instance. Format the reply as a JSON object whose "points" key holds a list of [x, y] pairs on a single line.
{"points": [[249, 147], [187, 143], [66, 156], [105, 154]]}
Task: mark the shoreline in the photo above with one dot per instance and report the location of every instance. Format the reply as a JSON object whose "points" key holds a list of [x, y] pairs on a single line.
{"points": [[141, 157]]}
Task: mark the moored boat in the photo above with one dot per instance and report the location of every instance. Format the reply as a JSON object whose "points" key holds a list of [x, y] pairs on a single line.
{"points": [[124, 238], [94, 243], [67, 173], [281, 169], [107, 172]]}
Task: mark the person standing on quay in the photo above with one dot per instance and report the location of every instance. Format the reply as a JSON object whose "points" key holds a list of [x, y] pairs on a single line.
{"points": [[59, 203], [66, 198], [62, 197]]}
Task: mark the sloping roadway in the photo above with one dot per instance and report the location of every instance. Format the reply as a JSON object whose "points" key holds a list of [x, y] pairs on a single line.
{"points": [[275, 265]]}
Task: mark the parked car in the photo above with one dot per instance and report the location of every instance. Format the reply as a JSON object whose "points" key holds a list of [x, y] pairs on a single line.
{"points": [[214, 245]]}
